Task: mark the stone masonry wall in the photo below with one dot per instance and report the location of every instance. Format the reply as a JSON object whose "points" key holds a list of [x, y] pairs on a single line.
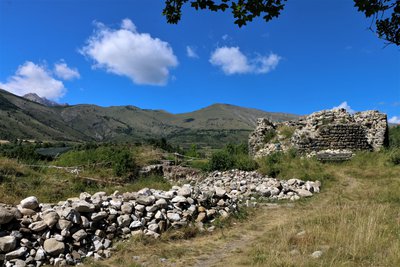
{"points": [[323, 130]]}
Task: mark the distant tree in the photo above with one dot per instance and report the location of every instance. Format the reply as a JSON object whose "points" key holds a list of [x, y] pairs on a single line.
{"points": [[385, 14], [193, 151]]}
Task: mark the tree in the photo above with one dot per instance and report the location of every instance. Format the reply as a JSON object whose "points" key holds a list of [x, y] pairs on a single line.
{"points": [[386, 26], [385, 13]]}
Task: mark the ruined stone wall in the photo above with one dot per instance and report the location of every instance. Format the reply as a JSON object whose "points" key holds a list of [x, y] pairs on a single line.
{"points": [[327, 129], [37, 234], [336, 136]]}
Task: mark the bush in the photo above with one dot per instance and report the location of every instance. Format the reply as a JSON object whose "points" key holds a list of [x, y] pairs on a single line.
{"points": [[288, 165], [119, 158], [245, 163], [271, 164], [221, 160], [22, 152], [193, 152], [394, 156], [201, 164], [124, 164], [232, 157]]}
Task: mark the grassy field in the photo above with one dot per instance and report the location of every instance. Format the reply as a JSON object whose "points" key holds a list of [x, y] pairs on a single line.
{"points": [[19, 179], [354, 221]]}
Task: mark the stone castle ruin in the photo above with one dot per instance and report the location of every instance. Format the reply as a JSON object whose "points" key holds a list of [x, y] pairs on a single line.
{"points": [[327, 130]]}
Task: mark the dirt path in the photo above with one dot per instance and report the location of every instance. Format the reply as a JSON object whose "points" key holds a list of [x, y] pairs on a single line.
{"points": [[231, 246], [267, 219]]}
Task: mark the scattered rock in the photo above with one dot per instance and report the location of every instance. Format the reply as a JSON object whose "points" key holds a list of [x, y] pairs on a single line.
{"points": [[7, 243], [316, 254], [53, 247], [51, 218], [5, 216], [16, 253], [79, 235], [30, 203], [304, 193], [146, 200], [38, 226]]}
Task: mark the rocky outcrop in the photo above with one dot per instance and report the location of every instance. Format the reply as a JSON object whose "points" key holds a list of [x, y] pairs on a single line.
{"points": [[42, 100], [322, 131], [34, 234]]}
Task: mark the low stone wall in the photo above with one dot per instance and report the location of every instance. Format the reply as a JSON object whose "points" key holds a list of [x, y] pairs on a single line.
{"points": [[323, 130], [33, 233]]}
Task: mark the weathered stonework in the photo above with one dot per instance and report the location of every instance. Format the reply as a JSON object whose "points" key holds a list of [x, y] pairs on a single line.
{"points": [[323, 130], [62, 234]]}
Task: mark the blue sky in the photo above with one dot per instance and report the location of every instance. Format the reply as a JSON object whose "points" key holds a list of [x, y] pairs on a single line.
{"points": [[316, 55]]}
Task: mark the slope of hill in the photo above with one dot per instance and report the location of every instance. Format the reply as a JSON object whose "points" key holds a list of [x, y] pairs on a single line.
{"points": [[25, 119], [214, 125]]}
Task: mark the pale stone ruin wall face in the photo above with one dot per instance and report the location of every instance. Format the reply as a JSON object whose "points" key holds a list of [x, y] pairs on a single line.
{"points": [[256, 140], [376, 127], [328, 129]]}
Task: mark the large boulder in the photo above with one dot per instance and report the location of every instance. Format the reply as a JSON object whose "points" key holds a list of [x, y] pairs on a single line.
{"points": [[7, 243], [51, 218], [53, 247], [30, 203], [6, 215]]}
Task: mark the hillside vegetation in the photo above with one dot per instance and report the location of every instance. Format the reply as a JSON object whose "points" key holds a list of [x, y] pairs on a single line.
{"points": [[214, 126]]}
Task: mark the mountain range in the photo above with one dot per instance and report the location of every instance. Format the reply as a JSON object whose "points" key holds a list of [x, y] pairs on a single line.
{"points": [[35, 118]]}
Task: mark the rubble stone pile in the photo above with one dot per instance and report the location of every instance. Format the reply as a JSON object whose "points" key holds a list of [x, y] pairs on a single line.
{"points": [[34, 233]]}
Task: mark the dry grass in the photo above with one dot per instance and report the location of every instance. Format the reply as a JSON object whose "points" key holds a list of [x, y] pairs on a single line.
{"points": [[355, 221], [52, 185]]}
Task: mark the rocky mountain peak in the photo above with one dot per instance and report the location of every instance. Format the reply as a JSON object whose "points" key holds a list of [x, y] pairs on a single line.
{"points": [[42, 100]]}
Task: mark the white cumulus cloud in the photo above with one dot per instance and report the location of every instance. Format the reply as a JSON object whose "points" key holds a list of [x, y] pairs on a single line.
{"points": [[232, 61], [33, 78], [394, 119], [125, 51], [266, 63], [345, 106], [190, 52], [61, 70]]}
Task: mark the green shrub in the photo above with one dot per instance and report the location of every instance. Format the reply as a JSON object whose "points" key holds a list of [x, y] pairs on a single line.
{"points": [[394, 156], [119, 158], [21, 152], [124, 164], [201, 164], [245, 163], [232, 157], [289, 165], [193, 152], [221, 160], [271, 165]]}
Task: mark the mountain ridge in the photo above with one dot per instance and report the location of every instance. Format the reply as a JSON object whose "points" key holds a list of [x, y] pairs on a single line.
{"points": [[213, 125], [42, 100]]}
